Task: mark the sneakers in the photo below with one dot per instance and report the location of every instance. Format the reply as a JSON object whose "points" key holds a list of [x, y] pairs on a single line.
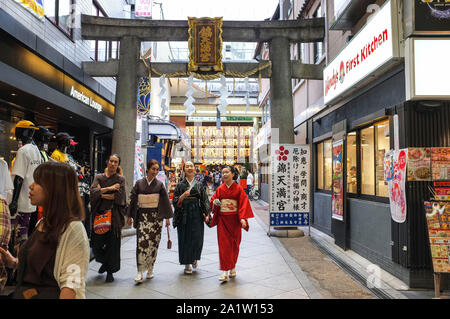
{"points": [[188, 269], [139, 278], [233, 273], [224, 276]]}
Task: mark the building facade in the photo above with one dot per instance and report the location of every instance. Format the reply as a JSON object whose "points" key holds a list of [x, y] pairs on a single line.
{"points": [[41, 76]]}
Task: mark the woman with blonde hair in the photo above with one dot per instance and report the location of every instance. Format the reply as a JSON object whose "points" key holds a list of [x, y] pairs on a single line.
{"points": [[54, 261]]}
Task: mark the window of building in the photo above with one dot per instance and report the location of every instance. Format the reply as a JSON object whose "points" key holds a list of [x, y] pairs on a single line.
{"points": [[61, 13], [318, 46], [352, 181], [102, 50], [324, 178], [371, 144]]}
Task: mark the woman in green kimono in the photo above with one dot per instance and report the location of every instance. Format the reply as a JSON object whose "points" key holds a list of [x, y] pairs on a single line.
{"points": [[191, 209]]}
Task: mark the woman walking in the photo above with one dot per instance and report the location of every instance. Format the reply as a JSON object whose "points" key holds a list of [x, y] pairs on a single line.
{"points": [[231, 209], [54, 261], [149, 206], [191, 209], [108, 207]]}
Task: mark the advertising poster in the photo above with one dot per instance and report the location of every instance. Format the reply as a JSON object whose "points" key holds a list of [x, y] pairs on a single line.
{"points": [[337, 197], [34, 6], [442, 191], [395, 172], [432, 15], [438, 222], [440, 163], [419, 164], [143, 8], [290, 188]]}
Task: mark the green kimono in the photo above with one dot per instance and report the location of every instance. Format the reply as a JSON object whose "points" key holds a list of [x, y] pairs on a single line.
{"points": [[189, 219]]}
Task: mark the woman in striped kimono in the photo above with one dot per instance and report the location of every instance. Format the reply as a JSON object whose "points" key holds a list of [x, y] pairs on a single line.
{"points": [[149, 206]]}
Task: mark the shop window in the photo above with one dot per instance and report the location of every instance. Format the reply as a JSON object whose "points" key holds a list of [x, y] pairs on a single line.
{"points": [[352, 182], [324, 178], [367, 161], [383, 145], [61, 13]]}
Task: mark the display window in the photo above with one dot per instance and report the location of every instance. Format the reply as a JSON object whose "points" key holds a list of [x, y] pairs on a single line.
{"points": [[324, 173], [352, 165]]}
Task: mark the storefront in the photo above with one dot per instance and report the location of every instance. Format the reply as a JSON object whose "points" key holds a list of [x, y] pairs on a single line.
{"points": [[54, 96], [369, 111]]}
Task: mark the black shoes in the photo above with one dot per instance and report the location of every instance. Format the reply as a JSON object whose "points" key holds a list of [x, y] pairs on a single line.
{"points": [[109, 277], [102, 269]]}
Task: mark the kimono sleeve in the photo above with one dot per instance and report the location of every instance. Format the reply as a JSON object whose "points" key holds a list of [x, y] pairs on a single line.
{"points": [[120, 197], [245, 209], [96, 194], [204, 205], [132, 209], [164, 207], [214, 209], [177, 194]]}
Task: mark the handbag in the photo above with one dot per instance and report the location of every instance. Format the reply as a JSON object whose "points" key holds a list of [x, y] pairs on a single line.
{"points": [[169, 242], [102, 222]]}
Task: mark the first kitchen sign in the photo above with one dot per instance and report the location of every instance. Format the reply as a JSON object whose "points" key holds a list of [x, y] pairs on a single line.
{"points": [[370, 50]]}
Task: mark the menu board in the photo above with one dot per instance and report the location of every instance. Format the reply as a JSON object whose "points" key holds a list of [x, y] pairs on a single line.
{"points": [[337, 197], [419, 164], [442, 191], [440, 163], [438, 222]]}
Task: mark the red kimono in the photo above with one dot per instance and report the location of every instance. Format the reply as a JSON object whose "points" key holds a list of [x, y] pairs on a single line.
{"points": [[235, 206]]}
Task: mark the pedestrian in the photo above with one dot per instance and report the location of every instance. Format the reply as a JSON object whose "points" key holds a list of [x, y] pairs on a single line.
{"points": [[217, 179], [54, 261], [191, 209], [108, 207], [250, 180], [149, 206], [231, 209]]}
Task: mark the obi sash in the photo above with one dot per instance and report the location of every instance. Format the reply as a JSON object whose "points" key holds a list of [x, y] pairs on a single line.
{"points": [[228, 206], [148, 200]]}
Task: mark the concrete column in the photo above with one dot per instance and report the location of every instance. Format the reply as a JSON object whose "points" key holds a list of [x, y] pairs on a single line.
{"points": [[124, 134], [282, 109]]}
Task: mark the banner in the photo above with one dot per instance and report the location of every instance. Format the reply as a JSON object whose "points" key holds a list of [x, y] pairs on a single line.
{"points": [[34, 6], [290, 188], [395, 173], [438, 222], [337, 197], [143, 8]]}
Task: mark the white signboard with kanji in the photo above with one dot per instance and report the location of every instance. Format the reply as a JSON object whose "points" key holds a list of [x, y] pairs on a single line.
{"points": [[290, 185]]}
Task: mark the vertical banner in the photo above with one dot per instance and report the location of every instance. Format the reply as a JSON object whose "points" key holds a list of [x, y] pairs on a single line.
{"points": [[337, 197], [395, 174], [143, 8], [290, 189]]}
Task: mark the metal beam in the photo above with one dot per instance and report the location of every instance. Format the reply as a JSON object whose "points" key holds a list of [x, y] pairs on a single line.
{"points": [[111, 69], [100, 28]]}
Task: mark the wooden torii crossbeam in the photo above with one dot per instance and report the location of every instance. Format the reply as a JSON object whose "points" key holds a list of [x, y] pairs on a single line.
{"points": [[129, 67]]}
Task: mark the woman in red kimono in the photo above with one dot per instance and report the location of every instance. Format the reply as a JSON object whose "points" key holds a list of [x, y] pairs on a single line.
{"points": [[231, 209]]}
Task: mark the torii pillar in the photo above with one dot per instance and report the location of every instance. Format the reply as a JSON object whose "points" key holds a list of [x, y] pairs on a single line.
{"points": [[125, 113]]}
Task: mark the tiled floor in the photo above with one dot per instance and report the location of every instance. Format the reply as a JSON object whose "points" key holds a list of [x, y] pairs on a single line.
{"points": [[262, 272]]}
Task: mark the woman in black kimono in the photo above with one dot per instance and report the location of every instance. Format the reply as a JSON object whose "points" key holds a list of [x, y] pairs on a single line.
{"points": [[149, 205], [108, 195], [191, 208]]}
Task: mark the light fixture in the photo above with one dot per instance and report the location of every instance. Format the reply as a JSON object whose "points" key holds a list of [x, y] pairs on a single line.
{"points": [[48, 108], [13, 94]]}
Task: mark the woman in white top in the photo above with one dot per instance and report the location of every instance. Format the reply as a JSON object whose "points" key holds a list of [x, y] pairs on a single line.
{"points": [[54, 261]]}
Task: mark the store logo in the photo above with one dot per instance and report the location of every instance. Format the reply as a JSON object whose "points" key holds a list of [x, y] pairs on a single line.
{"points": [[85, 99], [282, 152], [438, 8], [342, 72]]}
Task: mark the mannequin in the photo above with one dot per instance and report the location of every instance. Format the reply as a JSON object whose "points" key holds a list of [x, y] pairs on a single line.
{"points": [[63, 141], [42, 138], [27, 159], [70, 151]]}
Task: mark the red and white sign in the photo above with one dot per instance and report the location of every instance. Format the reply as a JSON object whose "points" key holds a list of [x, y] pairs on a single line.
{"points": [[371, 48], [143, 8]]}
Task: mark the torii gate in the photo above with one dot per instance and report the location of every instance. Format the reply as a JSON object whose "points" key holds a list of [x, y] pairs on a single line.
{"points": [[130, 67]]}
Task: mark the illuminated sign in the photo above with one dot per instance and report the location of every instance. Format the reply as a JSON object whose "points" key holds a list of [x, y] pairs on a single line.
{"points": [[85, 99], [369, 51]]}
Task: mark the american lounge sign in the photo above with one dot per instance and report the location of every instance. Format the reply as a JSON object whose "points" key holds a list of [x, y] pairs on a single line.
{"points": [[371, 49]]}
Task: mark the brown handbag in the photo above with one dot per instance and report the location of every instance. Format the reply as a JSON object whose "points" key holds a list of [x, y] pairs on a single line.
{"points": [[169, 242]]}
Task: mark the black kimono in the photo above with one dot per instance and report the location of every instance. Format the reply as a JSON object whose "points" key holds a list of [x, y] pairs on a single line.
{"points": [[106, 247], [189, 219], [149, 206]]}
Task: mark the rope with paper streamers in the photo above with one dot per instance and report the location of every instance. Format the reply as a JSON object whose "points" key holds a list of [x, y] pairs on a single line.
{"points": [[209, 77]]}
